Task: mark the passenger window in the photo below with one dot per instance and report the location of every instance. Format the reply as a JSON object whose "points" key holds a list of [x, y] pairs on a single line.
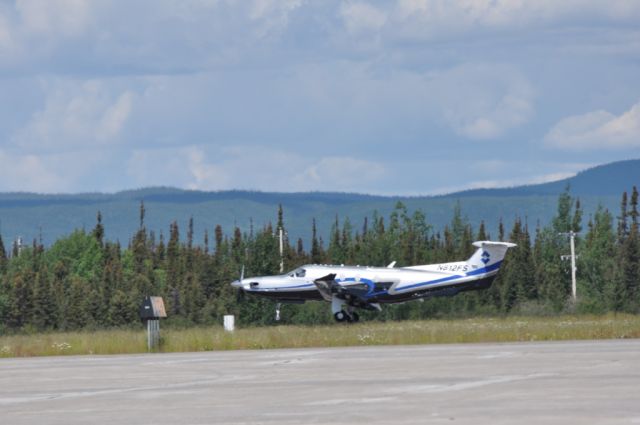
{"points": [[301, 273]]}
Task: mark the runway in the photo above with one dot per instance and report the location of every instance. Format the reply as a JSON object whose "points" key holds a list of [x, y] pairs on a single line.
{"points": [[587, 382]]}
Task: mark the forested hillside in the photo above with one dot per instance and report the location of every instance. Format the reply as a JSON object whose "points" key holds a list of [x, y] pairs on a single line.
{"points": [[49, 217], [85, 280]]}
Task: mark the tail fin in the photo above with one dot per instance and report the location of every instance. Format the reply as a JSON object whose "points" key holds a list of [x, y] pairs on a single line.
{"points": [[489, 253]]}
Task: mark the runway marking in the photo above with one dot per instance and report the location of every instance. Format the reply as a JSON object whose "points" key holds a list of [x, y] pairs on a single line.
{"points": [[469, 385], [498, 355], [80, 394], [337, 401]]}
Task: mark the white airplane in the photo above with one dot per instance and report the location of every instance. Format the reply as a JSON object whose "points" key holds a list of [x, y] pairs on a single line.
{"points": [[351, 287]]}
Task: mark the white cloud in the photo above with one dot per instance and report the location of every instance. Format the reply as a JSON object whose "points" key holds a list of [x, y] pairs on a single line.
{"points": [[251, 168], [597, 130], [5, 34], [519, 181], [271, 16], [339, 173], [360, 17], [434, 19], [114, 117], [305, 89], [27, 173], [484, 101], [49, 18], [499, 173], [76, 115], [180, 167], [52, 173], [205, 175]]}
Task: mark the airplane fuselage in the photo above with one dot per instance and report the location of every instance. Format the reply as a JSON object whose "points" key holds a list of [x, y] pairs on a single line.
{"points": [[349, 287], [374, 284]]}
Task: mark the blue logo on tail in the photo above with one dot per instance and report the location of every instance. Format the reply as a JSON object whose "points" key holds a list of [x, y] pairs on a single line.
{"points": [[485, 257]]}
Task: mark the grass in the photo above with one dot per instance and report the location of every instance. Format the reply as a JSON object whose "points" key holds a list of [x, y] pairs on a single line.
{"points": [[509, 329]]}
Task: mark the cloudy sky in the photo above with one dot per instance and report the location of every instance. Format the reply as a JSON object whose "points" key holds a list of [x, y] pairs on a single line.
{"points": [[388, 97]]}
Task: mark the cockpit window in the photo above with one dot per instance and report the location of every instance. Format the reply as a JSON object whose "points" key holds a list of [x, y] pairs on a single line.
{"points": [[300, 272], [297, 273]]}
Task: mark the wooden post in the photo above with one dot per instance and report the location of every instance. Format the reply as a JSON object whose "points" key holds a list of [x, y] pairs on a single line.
{"points": [[153, 334]]}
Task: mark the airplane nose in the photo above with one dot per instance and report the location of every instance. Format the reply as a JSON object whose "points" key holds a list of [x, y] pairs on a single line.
{"points": [[236, 284]]}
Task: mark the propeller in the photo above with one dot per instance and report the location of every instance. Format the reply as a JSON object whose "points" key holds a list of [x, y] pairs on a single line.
{"points": [[240, 293]]}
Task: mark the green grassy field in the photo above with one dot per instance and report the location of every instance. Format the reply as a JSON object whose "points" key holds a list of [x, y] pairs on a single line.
{"points": [[372, 333]]}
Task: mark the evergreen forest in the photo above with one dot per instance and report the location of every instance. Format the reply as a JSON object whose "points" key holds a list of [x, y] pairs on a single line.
{"points": [[83, 281]]}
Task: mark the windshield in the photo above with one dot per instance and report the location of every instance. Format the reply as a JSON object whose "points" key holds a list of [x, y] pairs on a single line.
{"points": [[298, 273]]}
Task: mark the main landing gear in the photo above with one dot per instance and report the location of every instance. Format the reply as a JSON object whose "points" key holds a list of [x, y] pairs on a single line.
{"points": [[342, 312], [346, 316]]}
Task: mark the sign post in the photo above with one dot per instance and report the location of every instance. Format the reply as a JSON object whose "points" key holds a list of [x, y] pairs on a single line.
{"points": [[151, 311]]}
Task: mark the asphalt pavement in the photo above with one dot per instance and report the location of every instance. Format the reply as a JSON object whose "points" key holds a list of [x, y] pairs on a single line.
{"points": [[586, 382]]}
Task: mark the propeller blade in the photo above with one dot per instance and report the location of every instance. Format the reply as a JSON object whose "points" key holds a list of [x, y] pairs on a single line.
{"points": [[240, 296]]}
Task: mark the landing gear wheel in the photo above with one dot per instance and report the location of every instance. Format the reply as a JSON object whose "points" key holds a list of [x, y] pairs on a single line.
{"points": [[340, 316]]}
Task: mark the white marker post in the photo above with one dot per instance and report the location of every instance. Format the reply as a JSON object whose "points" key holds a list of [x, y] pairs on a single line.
{"points": [[229, 322]]}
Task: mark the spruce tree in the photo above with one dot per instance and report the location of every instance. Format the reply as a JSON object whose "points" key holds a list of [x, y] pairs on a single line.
{"points": [[174, 272], [123, 309], [622, 219], [218, 237], [78, 312], [316, 248], [597, 264], [631, 257], [44, 309], [336, 250], [526, 288], [300, 249], [576, 223], [482, 233], [3, 258], [20, 300], [98, 231], [509, 277]]}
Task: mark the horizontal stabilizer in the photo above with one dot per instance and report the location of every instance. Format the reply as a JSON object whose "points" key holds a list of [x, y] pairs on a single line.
{"points": [[480, 244]]}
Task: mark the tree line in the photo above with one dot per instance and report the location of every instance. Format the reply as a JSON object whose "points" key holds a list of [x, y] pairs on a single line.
{"points": [[86, 281]]}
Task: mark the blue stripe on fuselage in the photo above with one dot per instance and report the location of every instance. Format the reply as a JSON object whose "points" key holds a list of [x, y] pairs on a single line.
{"points": [[448, 278], [306, 285], [370, 283]]}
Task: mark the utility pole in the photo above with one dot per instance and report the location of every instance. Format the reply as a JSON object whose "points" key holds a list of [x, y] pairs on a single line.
{"points": [[572, 239], [281, 250], [280, 237]]}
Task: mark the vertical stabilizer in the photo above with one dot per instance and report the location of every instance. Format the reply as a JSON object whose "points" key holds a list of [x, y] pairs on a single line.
{"points": [[489, 253]]}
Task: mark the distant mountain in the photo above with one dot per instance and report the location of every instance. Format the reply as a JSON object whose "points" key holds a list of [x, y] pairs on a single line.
{"points": [[32, 216], [604, 180]]}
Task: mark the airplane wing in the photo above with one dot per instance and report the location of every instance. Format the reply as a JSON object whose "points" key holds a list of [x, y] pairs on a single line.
{"points": [[326, 286], [329, 288]]}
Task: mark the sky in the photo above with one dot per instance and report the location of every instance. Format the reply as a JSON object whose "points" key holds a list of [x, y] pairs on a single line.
{"points": [[402, 97]]}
